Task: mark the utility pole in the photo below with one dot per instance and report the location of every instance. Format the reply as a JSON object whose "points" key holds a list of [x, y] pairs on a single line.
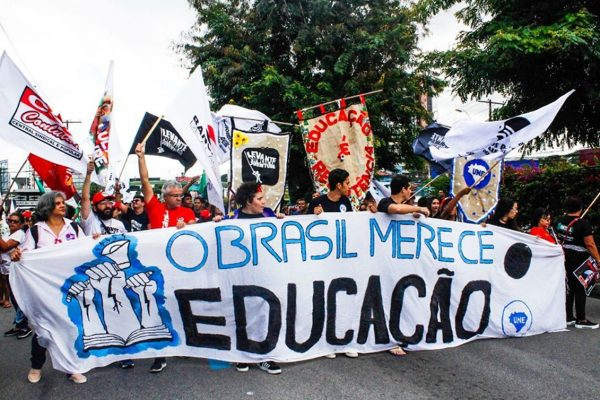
{"points": [[67, 122], [489, 103]]}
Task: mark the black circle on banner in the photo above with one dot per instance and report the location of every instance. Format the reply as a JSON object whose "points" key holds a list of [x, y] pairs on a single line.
{"points": [[517, 260]]}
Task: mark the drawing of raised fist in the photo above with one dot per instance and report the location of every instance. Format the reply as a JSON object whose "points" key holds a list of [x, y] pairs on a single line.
{"points": [[84, 293], [119, 316], [145, 288]]}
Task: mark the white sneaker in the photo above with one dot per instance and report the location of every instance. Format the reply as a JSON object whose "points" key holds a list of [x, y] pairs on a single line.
{"points": [[351, 354], [34, 375], [78, 378], [332, 355]]}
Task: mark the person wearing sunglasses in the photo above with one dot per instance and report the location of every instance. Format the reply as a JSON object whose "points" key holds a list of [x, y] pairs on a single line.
{"points": [[8, 243], [97, 212]]}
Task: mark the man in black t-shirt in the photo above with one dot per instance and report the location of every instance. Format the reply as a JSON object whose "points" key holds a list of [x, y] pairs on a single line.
{"points": [[401, 192], [135, 214], [336, 200], [575, 235]]}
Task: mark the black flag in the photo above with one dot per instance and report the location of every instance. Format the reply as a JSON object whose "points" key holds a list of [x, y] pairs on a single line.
{"points": [[432, 135], [164, 141]]}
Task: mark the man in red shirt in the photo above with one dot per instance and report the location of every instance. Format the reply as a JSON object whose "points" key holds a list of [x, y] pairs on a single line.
{"points": [[162, 215], [167, 214]]}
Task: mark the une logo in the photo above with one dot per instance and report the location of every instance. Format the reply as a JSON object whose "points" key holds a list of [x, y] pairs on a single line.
{"points": [[516, 319], [475, 169]]}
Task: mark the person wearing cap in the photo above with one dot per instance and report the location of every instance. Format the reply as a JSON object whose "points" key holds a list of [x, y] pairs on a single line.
{"points": [[97, 215], [162, 215], [27, 216]]}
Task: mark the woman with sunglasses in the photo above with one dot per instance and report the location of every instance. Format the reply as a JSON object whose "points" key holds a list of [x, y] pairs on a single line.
{"points": [[8, 243]]}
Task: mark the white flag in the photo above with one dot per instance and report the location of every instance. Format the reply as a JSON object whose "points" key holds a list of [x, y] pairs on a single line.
{"points": [[28, 122], [190, 115], [108, 155], [496, 138]]}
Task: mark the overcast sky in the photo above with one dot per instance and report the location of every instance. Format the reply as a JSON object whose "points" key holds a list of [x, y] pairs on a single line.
{"points": [[64, 47]]}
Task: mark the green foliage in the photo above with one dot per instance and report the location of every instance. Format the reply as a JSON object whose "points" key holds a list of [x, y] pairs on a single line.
{"points": [[530, 51], [278, 57], [550, 186]]}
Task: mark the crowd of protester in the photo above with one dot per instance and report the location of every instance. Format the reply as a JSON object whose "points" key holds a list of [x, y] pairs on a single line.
{"points": [[102, 214]]}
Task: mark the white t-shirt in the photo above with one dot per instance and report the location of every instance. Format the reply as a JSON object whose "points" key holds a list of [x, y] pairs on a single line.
{"points": [[47, 238], [18, 236], [92, 225]]}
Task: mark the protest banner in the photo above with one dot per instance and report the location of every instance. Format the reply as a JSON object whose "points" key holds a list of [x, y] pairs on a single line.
{"points": [[341, 139], [28, 122], [288, 290], [261, 158], [485, 187]]}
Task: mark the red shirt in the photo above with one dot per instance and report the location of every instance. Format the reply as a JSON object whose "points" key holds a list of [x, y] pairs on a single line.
{"points": [[161, 217], [542, 233]]}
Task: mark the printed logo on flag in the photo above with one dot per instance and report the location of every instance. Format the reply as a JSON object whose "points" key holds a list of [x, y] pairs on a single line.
{"points": [[171, 141], [34, 117], [260, 165], [474, 170], [516, 318], [207, 136]]}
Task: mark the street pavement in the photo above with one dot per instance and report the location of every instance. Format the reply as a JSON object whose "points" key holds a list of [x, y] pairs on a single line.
{"points": [[561, 365]]}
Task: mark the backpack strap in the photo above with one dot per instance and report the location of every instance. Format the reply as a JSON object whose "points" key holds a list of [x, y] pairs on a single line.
{"points": [[35, 234]]}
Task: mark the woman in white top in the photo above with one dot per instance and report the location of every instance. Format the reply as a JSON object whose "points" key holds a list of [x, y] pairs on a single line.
{"points": [[52, 229], [8, 243]]}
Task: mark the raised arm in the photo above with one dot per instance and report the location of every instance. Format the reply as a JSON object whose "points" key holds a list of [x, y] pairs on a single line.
{"points": [[454, 202], [86, 203], [146, 186], [188, 185]]}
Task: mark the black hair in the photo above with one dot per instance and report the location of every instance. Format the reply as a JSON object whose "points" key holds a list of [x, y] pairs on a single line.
{"points": [[336, 176], [246, 192], [537, 215], [573, 204], [139, 196], [18, 215], [398, 183], [423, 201]]}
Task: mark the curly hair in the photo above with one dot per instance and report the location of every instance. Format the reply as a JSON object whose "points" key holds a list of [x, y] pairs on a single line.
{"points": [[246, 192]]}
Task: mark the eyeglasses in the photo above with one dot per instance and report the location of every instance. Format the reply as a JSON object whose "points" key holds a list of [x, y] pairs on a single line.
{"points": [[174, 195], [135, 200], [13, 221]]}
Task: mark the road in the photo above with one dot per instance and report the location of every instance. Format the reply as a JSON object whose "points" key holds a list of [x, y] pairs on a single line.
{"points": [[561, 365]]}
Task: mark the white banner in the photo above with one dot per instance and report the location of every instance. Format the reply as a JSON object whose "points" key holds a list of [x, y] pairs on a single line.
{"points": [[495, 139], [288, 290], [28, 122], [190, 115]]}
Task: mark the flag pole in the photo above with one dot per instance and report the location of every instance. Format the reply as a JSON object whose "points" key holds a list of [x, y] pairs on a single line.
{"points": [[425, 186], [345, 98], [590, 206], [13, 182], [143, 142], [259, 120]]}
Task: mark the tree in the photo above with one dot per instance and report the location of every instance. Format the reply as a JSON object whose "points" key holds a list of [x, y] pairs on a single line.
{"points": [[532, 52], [280, 56]]}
